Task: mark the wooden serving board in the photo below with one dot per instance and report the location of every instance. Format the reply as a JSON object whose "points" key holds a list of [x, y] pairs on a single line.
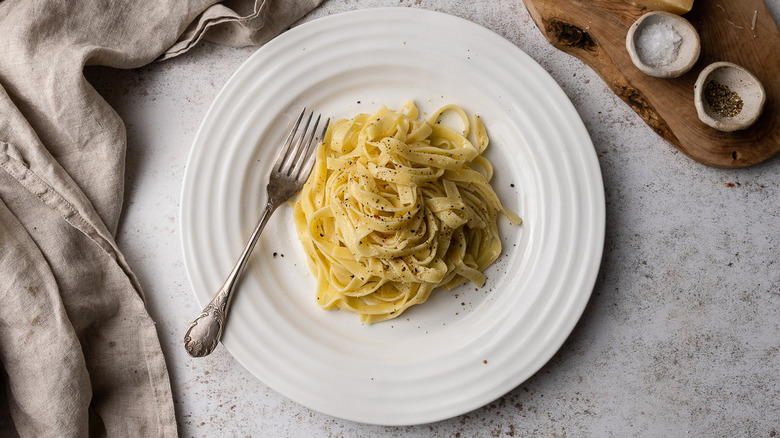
{"points": [[595, 32]]}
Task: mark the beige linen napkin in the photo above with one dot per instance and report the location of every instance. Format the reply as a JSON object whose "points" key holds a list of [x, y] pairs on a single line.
{"points": [[79, 353]]}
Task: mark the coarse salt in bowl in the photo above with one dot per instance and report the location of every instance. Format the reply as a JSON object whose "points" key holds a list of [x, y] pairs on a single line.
{"points": [[663, 45]]}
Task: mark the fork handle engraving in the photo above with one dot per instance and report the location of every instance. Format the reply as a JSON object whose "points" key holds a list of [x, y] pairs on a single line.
{"points": [[206, 330]]}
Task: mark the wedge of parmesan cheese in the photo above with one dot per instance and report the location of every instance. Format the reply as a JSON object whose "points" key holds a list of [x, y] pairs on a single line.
{"points": [[678, 7]]}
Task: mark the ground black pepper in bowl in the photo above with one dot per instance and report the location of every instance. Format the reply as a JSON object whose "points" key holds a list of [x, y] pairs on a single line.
{"points": [[722, 100]]}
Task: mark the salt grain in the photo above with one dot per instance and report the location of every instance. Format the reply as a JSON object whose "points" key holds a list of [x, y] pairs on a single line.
{"points": [[658, 44]]}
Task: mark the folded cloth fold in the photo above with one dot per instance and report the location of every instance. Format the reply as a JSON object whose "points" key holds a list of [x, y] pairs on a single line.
{"points": [[80, 354]]}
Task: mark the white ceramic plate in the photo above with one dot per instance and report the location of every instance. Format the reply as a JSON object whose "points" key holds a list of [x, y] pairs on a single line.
{"points": [[461, 349]]}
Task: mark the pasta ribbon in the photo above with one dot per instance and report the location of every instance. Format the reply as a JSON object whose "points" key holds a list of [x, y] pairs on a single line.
{"points": [[397, 206]]}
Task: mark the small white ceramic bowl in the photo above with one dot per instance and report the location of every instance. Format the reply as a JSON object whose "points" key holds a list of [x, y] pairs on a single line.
{"points": [[687, 53], [740, 81]]}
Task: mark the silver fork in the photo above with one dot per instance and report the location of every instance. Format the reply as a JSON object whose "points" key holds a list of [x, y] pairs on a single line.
{"points": [[290, 171]]}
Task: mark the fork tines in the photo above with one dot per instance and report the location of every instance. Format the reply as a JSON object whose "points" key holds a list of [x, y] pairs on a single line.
{"points": [[299, 149]]}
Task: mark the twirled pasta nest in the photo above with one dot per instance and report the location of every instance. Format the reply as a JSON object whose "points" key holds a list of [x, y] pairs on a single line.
{"points": [[395, 207]]}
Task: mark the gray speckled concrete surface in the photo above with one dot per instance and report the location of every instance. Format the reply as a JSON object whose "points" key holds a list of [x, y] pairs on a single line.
{"points": [[681, 336]]}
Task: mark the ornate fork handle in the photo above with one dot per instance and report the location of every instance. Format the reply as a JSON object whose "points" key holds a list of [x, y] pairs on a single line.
{"points": [[206, 330], [292, 167]]}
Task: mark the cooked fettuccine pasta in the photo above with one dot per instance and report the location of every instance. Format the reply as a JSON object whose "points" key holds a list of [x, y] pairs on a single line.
{"points": [[395, 207]]}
